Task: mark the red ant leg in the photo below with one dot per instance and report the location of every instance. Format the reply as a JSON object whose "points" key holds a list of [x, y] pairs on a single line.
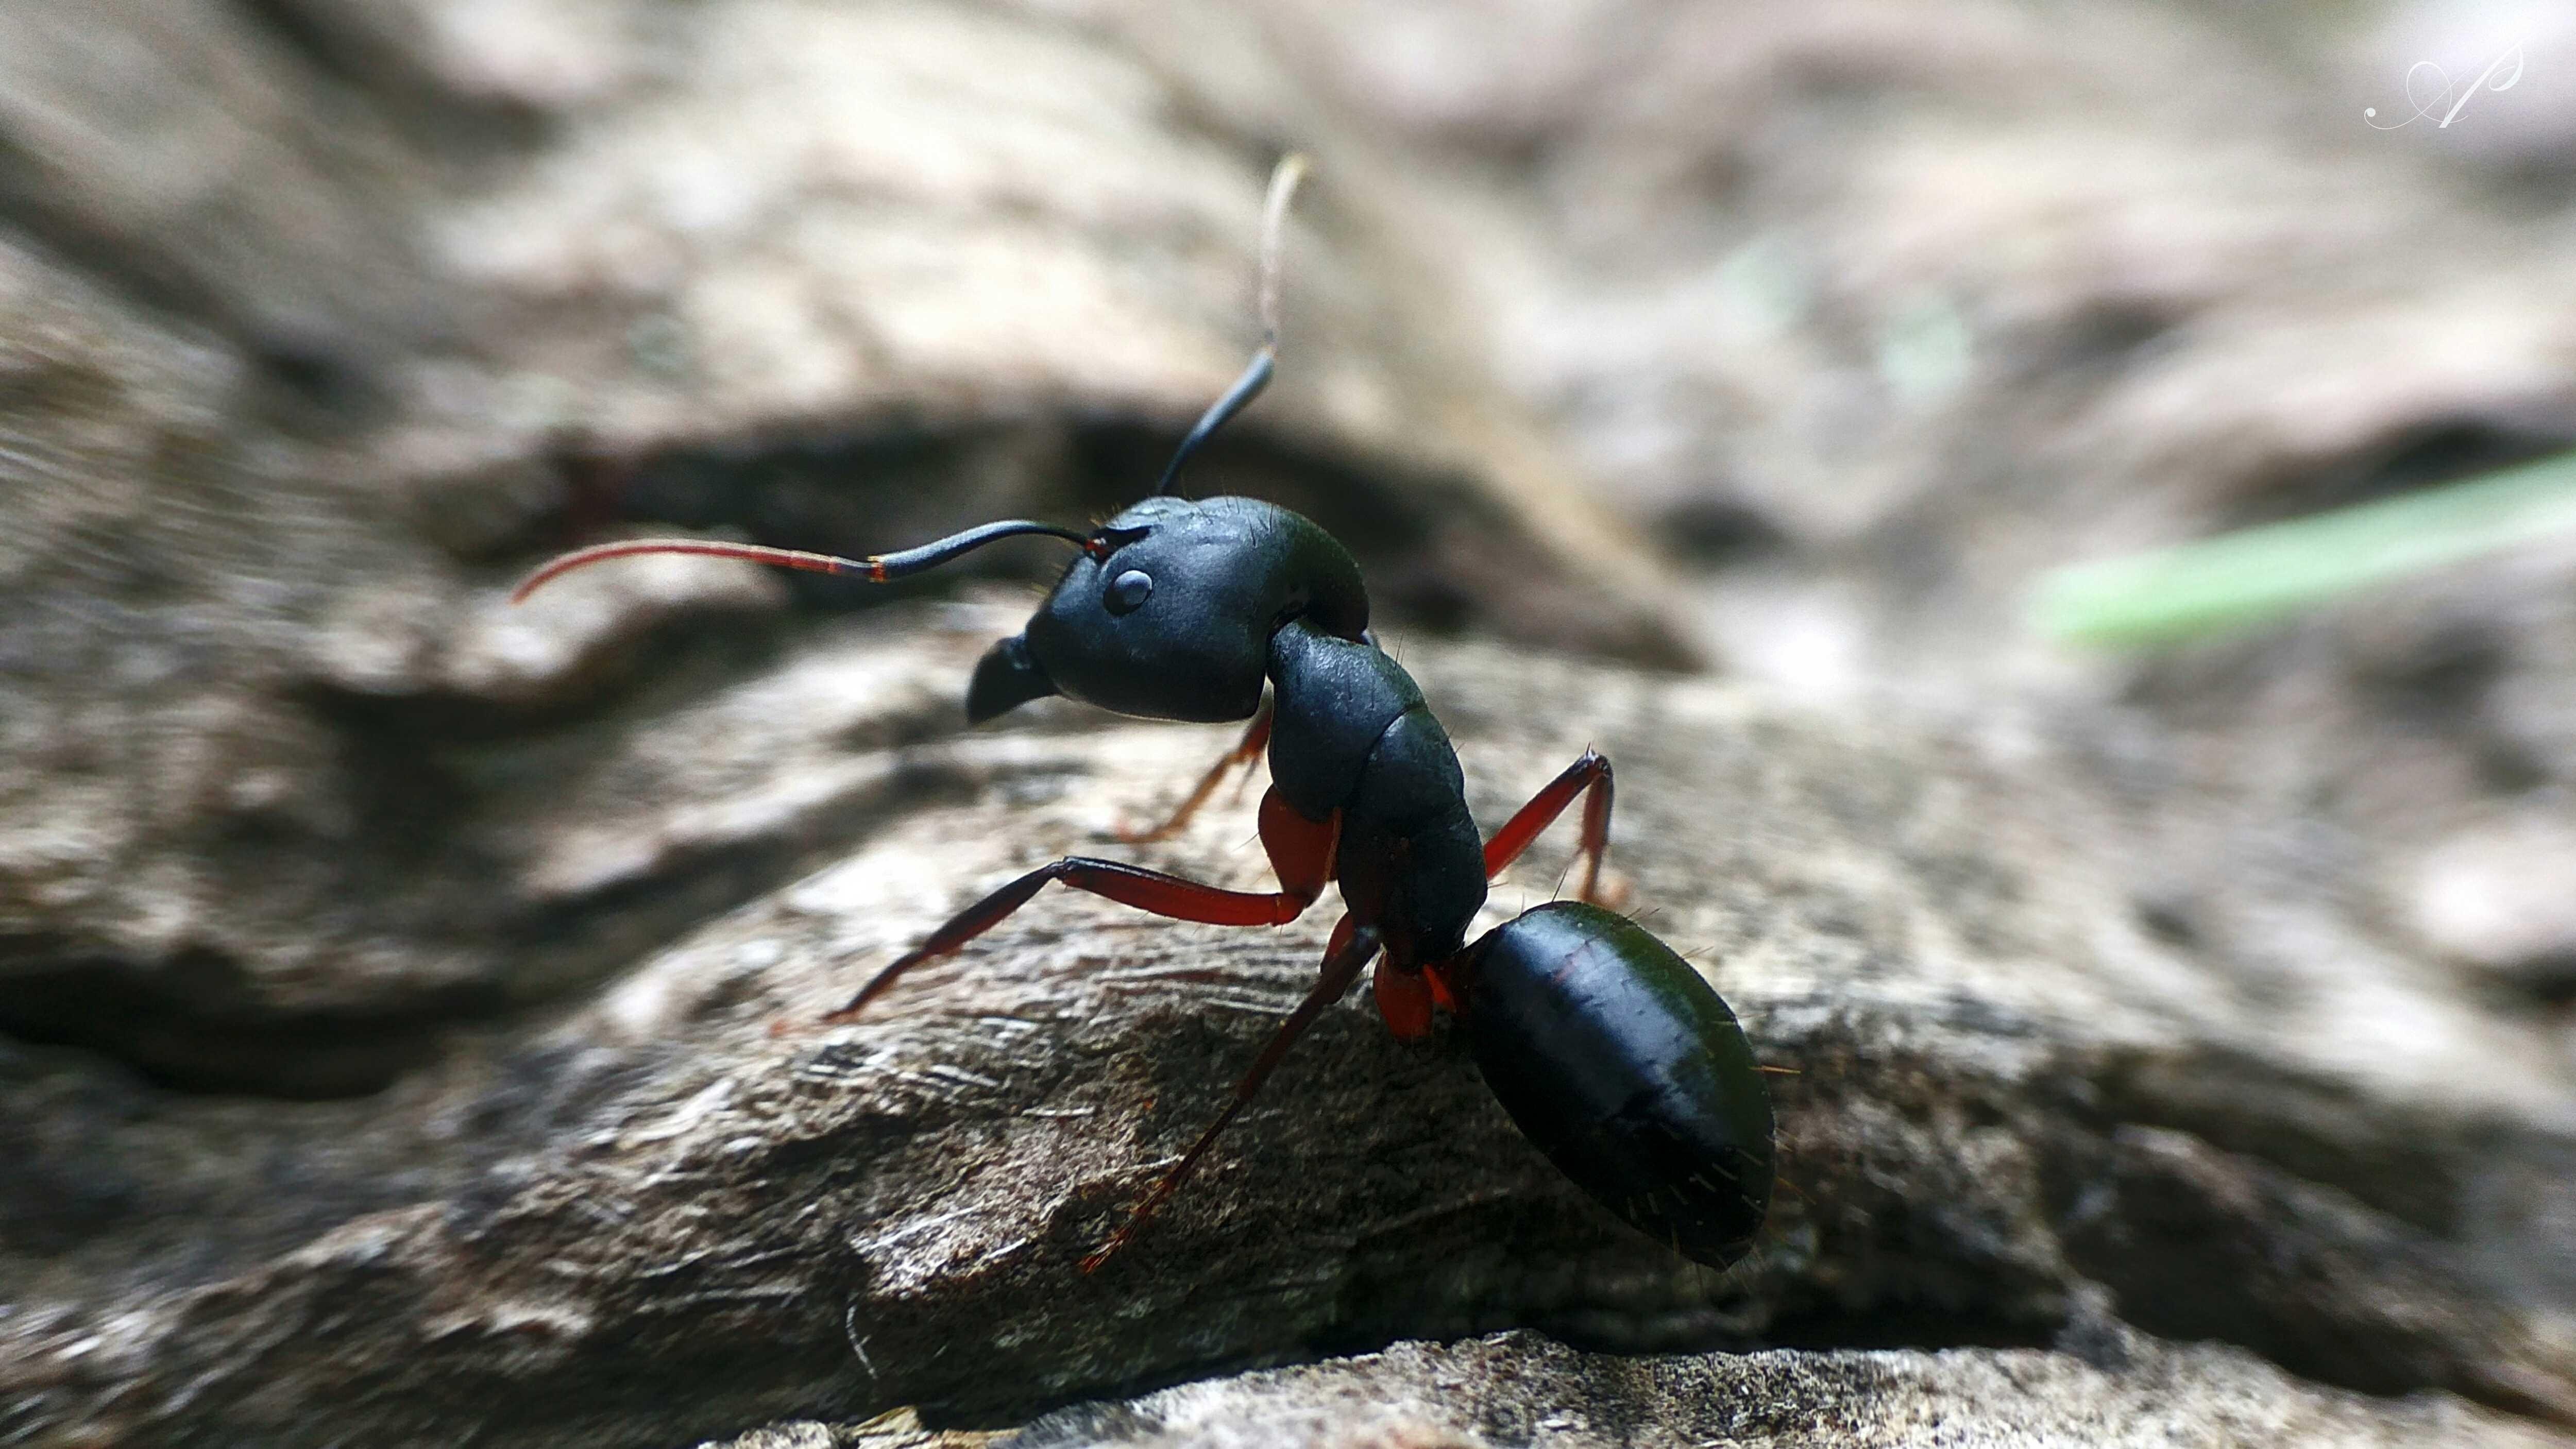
{"points": [[1342, 930], [1301, 854], [1590, 774], [1403, 999], [1256, 738], [1341, 967]]}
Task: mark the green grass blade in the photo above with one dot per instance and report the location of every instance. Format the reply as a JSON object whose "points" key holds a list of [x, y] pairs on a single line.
{"points": [[2258, 574]]}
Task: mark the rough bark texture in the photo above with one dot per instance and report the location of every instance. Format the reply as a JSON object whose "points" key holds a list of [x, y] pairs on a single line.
{"points": [[410, 1001], [1519, 1389], [683, 1206]]}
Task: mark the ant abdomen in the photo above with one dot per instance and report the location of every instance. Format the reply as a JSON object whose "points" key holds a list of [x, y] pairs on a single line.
{"points": [[1616, 1059]]}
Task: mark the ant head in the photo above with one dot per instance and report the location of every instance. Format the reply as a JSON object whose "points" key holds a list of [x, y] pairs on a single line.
{"points": [[1168, 611]]}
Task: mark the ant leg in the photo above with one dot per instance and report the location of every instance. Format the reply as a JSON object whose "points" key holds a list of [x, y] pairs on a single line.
{"points": [[1404, 1000], [1256, 737], [1341, 967], [1404, 994], [1590, 775], [1301, 855]]}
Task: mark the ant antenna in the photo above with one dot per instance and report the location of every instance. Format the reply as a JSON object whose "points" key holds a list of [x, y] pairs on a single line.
{"points": [[876, 568], [1274, 227], [885, 568]]}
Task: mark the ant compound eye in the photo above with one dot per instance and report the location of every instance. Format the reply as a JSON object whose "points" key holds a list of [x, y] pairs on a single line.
{"points": [[1128, 592]]}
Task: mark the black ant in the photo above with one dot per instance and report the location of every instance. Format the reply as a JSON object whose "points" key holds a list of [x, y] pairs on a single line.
{"points": [[1611, 1053]]}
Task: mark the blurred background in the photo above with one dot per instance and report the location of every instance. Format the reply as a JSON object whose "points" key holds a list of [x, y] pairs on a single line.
{"points": [[1833, 346]]}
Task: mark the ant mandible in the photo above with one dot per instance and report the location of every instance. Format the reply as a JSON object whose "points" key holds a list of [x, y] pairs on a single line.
{"points": [[1613, 1056]]}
